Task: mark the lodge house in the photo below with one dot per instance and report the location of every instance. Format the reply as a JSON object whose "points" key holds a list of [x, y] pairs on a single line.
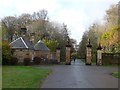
{"points": [[23, 48]]}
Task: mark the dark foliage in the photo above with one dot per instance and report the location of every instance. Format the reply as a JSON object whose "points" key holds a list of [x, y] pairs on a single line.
{"points": [[54, 61], [6, 53], [14, 61], [37, 60], [45, 61], [27, 61]]}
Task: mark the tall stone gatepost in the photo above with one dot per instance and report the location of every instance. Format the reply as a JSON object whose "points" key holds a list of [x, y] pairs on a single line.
{"points": [[68, 55], [88, 60], [58, 55], [99, 55]]}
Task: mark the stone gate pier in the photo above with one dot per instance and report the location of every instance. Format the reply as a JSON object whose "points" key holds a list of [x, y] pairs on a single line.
{"points": [[68, 55], [88, 60], [58, 55]]}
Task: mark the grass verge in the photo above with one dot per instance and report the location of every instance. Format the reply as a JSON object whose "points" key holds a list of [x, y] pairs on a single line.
{"points": [[23, 76], [0, 77], [116, 74], [111, 65]]}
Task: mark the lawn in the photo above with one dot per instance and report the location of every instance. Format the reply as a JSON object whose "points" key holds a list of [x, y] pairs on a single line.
{"points": [[23, 76], [116, 74]]}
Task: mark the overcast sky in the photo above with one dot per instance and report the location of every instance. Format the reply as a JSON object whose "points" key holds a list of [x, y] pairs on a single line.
{"points": [[77, 14]]}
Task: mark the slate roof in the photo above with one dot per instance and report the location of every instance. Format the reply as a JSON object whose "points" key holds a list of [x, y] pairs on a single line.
{"points": [[21, 43], [40, 46]]}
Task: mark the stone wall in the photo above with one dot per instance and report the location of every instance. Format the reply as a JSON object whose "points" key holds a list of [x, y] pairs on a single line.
{"points": [[20, 54], [110, 58], [41, 54], [52, 56]]}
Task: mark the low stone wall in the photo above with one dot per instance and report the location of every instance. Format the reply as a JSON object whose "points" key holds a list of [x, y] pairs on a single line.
{"points": [[41, 54], [110, 58]]}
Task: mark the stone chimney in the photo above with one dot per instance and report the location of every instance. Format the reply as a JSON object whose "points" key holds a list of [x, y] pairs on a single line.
{"points": [[23, 31], [32, 39]]}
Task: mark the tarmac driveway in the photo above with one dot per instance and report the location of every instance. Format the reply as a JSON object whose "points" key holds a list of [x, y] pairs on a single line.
{"points": [[78, 75]]}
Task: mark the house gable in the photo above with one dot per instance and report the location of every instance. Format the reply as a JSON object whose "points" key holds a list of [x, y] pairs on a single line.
{"points": [[21, 43], [40, 46]]}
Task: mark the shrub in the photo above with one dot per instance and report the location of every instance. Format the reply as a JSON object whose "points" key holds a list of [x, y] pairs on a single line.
{"points": [[54, 61], [27, 61], [37, 60], [51, 61], [6, 53], [45, 61], [14, 61], [0, 56]]}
